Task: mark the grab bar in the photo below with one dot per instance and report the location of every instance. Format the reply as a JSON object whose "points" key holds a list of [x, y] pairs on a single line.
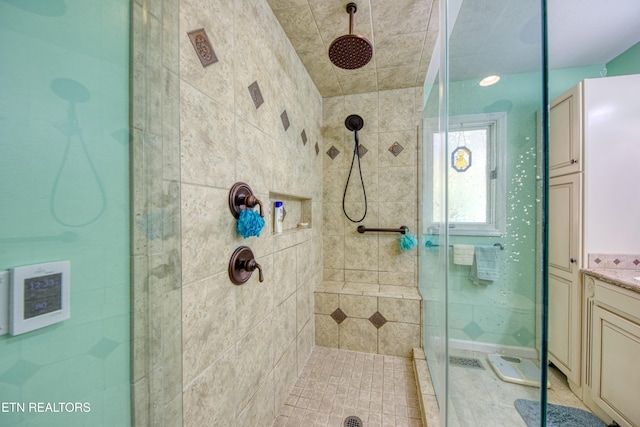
{"points": [[402, 230], [429, 244]]}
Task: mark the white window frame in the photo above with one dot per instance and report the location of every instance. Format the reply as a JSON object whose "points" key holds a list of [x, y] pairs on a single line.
{"points": [[496, 123]]}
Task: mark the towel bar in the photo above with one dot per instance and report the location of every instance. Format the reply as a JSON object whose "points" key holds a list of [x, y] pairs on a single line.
{"points": [[428, 244], [403, 229]]}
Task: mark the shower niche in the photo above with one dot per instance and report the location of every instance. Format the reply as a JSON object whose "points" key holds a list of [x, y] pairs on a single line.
{"points": [[297, 210]]}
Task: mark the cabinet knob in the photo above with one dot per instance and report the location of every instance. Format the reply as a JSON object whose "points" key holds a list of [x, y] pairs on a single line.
{"points": [[574, 161], [572, 260]]}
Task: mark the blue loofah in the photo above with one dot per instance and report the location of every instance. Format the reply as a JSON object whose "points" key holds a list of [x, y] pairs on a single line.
{"points": [[250, 223], [408, 242]]}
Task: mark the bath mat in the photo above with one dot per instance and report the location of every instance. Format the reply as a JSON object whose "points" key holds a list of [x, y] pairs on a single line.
{"points": [[557, 416]]}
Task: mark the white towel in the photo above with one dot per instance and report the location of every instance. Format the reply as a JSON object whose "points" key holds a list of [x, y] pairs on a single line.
{"points": [[463, 254]]}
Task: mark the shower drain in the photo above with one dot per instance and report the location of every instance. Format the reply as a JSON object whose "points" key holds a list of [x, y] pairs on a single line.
{"points": [[466, 362], [352, 421]]}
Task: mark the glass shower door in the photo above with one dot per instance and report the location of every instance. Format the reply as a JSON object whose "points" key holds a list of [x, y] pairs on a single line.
{"points": [[480, 263]]}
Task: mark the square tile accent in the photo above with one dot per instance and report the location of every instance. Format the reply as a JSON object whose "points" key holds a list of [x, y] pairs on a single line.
{"points": [[396, 149], [473, 330], [333, 152], [377, 320], [285, 120], [203, 48], [636, 262], [317, 149], [362, 150], [303, 135], [338, 315], [256, 95]]}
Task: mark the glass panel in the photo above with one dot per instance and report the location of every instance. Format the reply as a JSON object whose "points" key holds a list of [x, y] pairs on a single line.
{"points": [[480, 324], [64, 174]]}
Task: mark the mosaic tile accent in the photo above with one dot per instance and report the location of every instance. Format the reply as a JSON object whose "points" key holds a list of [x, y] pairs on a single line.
{"points": [[103, 348], [338, 315], [19, 373], [636, 262], [317, 149], [333, 152], [362, 150], [203, 48], [303, 135], [285, 120], [473, 330], [616, 261], [377, 320], [256, 95], [523, 336], [597, 260], [396, 149]]}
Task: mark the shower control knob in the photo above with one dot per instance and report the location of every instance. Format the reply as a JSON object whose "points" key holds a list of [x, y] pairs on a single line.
{"points": [[242, 264]]}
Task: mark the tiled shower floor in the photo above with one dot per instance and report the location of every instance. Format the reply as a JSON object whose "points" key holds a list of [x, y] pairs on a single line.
{"points": [[334, 384]]}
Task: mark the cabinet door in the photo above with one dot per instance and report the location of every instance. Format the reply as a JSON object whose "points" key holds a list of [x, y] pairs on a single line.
{"points": [[565, 133], [616, 373], [565, 292]]}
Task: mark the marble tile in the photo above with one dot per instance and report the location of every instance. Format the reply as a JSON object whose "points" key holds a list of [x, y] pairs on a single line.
{"points": [[285, 374], [358, 306], [216, 80], [253, 299], [400, 50], [326, 331], [333, 250], [207, 147], [284, 326], [304, 305], [284, 278], [211, 398], [358, 335], [407, 157], [207, 228], [396, 110], [325, 303], [254, 162], [333, 222], [260, 408], [396, 278], [254, 361], [398, 339], [361, 251], [334, 274], [400, 310], [391, 259], [361, 276], [399, 77], [304, 344], [397, 184]]}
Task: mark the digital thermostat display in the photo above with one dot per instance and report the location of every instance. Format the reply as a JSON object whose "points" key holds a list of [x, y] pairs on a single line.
{"points": [[39, 296], [42, 295]]}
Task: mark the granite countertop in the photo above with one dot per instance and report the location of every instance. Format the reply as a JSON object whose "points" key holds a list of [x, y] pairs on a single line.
{"points": [[619, 277]]}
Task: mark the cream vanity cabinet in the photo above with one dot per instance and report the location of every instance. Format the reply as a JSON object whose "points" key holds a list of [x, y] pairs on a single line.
{"points": [[565, 233], [615, 352]]}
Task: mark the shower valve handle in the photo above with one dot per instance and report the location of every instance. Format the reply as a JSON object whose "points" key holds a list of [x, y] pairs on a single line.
{"points": [[251, 265]]}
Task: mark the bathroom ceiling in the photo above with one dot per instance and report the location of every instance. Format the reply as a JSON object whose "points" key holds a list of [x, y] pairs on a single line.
{"points": [[489, 37]]}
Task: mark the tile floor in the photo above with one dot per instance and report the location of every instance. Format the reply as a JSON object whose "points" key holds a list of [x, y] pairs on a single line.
{"points": [[480, 398], [334, 384]]}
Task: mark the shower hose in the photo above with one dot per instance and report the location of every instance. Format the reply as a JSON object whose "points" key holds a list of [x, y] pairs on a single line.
{"points": [[356, 153]]}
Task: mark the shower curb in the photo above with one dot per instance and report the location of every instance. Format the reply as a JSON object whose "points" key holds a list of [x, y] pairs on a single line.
{"points": [[429, 408]]}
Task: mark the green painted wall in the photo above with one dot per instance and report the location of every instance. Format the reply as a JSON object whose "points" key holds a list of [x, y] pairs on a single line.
{"points": [[502, 313], [64, 112], [627, 62]]}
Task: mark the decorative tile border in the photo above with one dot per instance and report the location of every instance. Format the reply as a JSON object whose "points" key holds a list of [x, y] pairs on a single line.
{"points": [[203, 48], [614, 261], [396, 149], [377, 319], [285, 120], [333, 152], [339, 316], [256, 95]]}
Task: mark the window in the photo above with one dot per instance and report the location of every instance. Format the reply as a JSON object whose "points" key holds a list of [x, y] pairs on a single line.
{"points": [[473, 166]]}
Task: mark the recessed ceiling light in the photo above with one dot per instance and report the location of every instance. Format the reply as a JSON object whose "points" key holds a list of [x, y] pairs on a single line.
{"points": [[489, 80]]}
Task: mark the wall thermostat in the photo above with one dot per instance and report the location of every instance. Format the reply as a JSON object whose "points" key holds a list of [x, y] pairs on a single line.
{"points": [[39, 296]]}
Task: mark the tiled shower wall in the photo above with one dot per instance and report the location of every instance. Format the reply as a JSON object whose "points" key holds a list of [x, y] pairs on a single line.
{"points": [[369, 300], [244, 346], [388, 143]]}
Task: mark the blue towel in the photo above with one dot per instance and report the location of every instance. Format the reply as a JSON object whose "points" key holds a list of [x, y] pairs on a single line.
{"points": [[486, 265]]}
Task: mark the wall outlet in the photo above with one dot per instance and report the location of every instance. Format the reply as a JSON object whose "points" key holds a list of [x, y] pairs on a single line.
{"points": [[4, 302]]}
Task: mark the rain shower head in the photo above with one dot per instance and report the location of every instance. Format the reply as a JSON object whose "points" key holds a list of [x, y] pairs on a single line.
{"points": [[350, 51]]}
